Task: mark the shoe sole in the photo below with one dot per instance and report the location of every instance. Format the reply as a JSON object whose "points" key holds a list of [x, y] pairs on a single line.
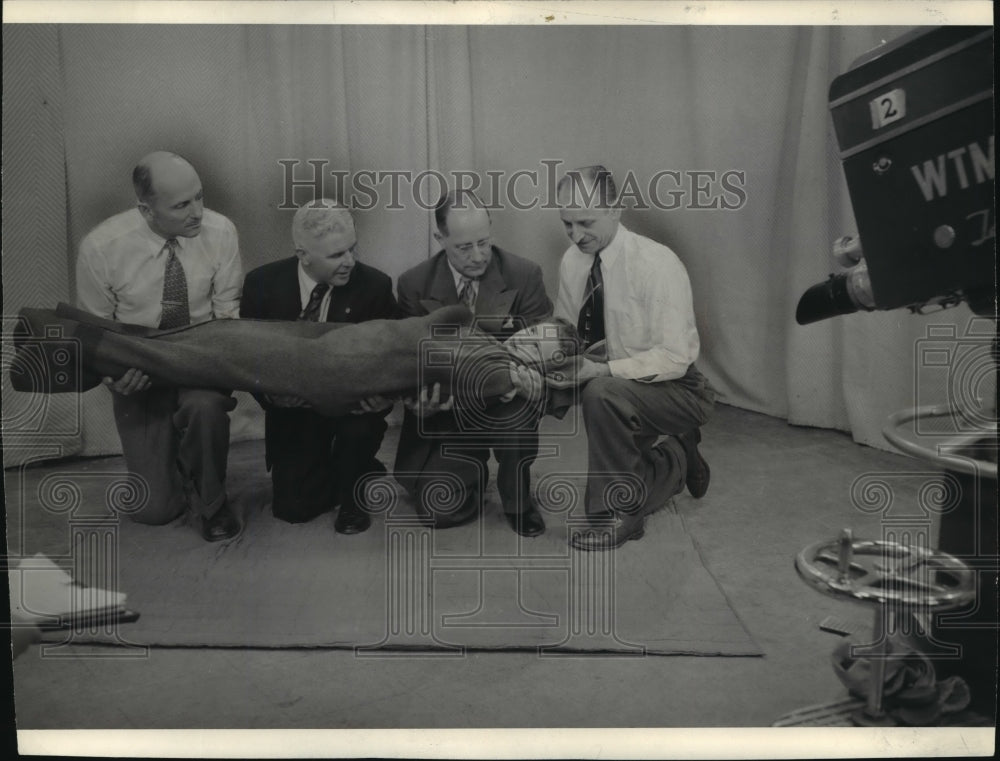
{"points": [[699, 493], [529, 534], [637, 535], [213, 539], [352, 530]]}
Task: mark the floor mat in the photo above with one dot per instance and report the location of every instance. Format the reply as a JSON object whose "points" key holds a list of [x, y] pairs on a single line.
{"points": [[401, 585]]}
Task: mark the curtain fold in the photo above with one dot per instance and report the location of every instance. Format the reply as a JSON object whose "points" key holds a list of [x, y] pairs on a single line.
{"points": [[34, 265], [240, 100]]}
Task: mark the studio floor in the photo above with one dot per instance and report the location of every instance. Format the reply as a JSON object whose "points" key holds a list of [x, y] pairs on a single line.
{"points": [[775, 489]]}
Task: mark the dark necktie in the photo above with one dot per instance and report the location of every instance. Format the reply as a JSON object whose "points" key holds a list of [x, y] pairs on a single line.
{"points": [[467, 293], [175, 292], [591, 321], [311, 312]]}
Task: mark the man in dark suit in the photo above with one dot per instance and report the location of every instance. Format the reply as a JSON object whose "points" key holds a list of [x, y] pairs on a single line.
{"points": [[316, 460], [438, 444]]}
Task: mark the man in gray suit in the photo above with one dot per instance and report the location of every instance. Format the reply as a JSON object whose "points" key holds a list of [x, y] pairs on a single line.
{"points": [[440, 445]]}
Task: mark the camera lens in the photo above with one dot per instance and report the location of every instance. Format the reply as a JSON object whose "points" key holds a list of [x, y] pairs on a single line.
{"points": [[844, 293]]}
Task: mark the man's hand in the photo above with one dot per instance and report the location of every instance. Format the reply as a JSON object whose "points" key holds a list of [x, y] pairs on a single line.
{"points": [[373, 404], [132, 381], [428, 403], [527, 382], [285, 401], [577, 373]]}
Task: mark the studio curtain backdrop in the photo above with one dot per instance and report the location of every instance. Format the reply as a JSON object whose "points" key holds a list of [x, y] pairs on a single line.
{"points": [[82, 103]]}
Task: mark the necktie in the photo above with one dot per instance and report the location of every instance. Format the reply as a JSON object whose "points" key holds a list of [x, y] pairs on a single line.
{"points": [[311, 311], [467, 293], [175, 293], [591, 321]]}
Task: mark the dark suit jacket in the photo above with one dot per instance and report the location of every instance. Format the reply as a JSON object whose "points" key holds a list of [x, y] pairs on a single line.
{"points": [[511, 292], [271, 292], [511, 297]]}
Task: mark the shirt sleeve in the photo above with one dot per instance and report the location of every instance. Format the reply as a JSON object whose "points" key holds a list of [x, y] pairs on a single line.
{"points": [[93, 291], [228, 279], [668, 313], [563, 307]]}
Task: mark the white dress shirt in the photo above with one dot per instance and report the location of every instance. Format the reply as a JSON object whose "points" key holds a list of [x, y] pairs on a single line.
{"points": [[648, 313], [306, 286], [119, 272]]}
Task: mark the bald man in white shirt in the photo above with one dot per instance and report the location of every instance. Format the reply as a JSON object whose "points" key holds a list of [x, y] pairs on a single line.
{"points": [[643, 399], [167, 263]]}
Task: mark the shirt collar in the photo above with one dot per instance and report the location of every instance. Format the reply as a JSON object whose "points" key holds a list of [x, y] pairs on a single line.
{"points": [[614, 249], [458, 277], [157, 243], [306, 282]]}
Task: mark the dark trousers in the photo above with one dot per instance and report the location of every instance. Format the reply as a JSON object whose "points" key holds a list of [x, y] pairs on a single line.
{"points": [[177, 442], [316, 461], [628, 471], [442, 460]]}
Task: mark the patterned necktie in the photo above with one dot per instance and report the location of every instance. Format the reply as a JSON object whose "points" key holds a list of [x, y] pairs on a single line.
{"points": [[591, 321], [311, 311], [467, 293], [175, 292]]}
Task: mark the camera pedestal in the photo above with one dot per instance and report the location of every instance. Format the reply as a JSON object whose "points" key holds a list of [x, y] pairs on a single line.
{"points": [[967, 531], [898, 580]]}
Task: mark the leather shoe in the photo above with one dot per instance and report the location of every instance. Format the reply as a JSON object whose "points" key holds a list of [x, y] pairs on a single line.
{"points": [[609, 533], [222, 525], [698, 472], [352, 521], [528, 522]]}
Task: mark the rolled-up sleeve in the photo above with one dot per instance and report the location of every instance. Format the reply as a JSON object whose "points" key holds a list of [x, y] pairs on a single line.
{"points": [[665, 324]]}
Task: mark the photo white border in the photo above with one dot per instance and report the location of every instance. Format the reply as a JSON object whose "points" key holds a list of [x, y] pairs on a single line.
{"points": [[510, 743], [500, 12]]}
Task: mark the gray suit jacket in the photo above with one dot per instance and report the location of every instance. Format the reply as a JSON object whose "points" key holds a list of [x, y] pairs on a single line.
{"points": [[511, 292], [511, 297]]}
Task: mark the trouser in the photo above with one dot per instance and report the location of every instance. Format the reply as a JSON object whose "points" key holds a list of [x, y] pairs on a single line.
{"points": [[455, 447], [316, 461], [628, 471], [177, 441]]}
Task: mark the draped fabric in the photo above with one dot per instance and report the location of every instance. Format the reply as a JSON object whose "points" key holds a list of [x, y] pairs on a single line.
{"points": [[332, 366], [239, 100]]}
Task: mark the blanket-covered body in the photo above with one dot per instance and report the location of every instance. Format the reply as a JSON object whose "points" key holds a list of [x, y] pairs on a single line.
{"points": [[332, 366]]}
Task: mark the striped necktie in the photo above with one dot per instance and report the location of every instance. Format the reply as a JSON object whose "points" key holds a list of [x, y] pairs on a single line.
{"points": [[467, 293], [311, 311], [591, 321], [175, 292]]}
